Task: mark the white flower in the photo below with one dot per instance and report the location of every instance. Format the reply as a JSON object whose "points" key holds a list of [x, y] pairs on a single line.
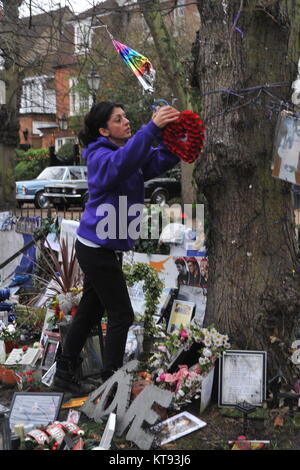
{"points": [[11, 328], [206, 352], [203, 360], [207, 342]]}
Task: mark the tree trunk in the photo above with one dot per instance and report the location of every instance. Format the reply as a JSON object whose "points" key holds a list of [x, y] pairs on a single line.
{"points": [[177, 80], [9, 125], [253, 290]]}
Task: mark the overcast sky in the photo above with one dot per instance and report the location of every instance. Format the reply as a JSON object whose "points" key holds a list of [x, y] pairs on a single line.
{"points": [[39, 6]]}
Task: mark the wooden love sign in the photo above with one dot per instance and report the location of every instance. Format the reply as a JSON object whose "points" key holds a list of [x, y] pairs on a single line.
{"points": [[114, 397]]}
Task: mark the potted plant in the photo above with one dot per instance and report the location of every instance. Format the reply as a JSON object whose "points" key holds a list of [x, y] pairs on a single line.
{"points": [[10, 335]]}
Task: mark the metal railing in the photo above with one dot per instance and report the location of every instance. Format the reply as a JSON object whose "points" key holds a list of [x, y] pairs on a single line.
{"points": [[48, 213]]}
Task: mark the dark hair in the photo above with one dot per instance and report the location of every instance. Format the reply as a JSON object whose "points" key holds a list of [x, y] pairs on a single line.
{"points": [[97, 117]]}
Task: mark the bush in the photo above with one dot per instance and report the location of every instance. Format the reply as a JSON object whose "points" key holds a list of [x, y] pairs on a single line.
{"points": [[65, 153], [32, 154], [28, 170]]}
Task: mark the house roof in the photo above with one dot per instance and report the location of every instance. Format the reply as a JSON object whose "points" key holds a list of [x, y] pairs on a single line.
{"points": [[100, 9]]}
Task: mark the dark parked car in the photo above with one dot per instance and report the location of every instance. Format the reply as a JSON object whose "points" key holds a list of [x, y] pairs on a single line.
{"points": [[161, 190], [62, 195]]}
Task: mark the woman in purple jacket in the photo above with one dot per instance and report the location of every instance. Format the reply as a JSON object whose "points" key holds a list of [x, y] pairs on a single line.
{"points": [[118, 164]]}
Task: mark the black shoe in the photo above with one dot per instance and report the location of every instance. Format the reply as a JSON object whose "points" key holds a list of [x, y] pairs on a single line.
{"points": [[66, 379]]}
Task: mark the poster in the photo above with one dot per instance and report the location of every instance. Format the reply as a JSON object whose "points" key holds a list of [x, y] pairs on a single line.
{"points": [[172, 270]]}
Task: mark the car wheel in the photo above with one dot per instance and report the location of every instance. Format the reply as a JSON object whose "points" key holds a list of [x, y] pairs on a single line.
{"points": [[41, 201], [160, 197]]}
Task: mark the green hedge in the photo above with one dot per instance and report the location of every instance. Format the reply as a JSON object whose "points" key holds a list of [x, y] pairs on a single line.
{"points": [[28, 170], [32, 154]]}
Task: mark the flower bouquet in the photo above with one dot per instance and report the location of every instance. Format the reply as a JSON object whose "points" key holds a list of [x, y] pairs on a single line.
{"points": [[10, 335], [29, 382], [9, 332], [186, 381]]}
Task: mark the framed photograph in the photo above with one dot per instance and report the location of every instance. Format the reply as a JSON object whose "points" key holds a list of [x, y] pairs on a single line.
{"points": [[198, 295], [52, 343], [181, 315], [48, 377], [35, 408], [242, 377], [286, 149], [175, 427]]}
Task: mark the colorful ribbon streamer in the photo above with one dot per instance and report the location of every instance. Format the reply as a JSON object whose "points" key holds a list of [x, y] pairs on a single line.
{"points": [[138, 64]]}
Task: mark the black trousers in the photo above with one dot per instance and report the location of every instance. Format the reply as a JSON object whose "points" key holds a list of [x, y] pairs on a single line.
{"points": [[104, 290]]}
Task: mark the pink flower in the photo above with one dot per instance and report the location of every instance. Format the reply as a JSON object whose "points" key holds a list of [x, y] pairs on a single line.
{"points": [[162, 348], [161, 378], [170, 378], [183, 335]]}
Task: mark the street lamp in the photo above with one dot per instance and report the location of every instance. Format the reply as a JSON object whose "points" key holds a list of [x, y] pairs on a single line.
{"points": [[63, 122], [94, 83]]}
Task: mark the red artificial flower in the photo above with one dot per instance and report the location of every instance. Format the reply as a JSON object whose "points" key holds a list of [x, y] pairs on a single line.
{"points": [[24, 349], [30, 379], [29, 372], [185, 136]]}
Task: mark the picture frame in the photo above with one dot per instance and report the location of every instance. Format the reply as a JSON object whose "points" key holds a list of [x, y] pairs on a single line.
{"points": [[286, 148], [242, 378], [198, 295], [47, 378], [35, 408], [181, 315], [175, 427], [52, 343]]}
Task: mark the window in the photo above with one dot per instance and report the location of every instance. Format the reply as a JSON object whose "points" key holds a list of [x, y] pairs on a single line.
{"points": [[80, 98], [52, 173], [83, 36], [38, 96], [59, 142], [75, 174]]}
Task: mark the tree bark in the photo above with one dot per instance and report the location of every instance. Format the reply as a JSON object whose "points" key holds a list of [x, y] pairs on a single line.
{"points": [[253, 290], [9, 124]]}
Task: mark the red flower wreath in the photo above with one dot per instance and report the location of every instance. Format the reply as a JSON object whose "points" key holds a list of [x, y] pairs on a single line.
{"points": [[185, 136]]}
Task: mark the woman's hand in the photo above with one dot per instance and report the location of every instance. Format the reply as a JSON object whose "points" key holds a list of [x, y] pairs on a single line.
{"points": [[164, 115]]}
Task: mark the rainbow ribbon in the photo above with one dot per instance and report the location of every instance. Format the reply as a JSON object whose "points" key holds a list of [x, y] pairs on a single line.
{"points": [[138, 64]]}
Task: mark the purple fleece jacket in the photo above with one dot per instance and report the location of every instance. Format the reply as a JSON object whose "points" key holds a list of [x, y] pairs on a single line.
{"points": [[116, 178]]}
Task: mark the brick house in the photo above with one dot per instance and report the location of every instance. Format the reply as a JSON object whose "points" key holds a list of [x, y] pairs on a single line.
{"points": [[63, 50]]}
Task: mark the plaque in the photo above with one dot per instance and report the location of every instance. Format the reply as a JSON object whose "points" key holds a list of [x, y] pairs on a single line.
{"points": [[242, 377]]}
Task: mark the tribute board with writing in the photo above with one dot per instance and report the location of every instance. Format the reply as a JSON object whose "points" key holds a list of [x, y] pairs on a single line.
{"points": [[242, 377]]}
